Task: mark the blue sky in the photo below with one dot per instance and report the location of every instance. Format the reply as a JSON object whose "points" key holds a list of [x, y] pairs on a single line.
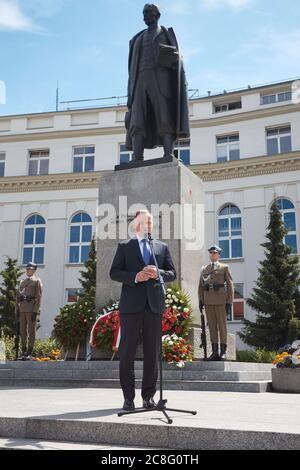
{"points": [[226, 44]]}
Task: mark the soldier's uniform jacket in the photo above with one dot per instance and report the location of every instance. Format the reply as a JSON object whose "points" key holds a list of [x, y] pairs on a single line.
{"points": [[212, 289], [29, 295]]}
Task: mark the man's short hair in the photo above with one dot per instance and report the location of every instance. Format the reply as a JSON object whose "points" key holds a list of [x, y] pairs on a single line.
{"points": [[155, 7], [142, 212]]}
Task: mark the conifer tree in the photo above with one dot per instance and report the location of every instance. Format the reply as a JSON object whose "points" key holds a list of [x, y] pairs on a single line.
{"points": [[88, 276], [8, 290], [273, 298]]}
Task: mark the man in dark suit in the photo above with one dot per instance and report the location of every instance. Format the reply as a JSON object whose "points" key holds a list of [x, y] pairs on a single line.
{"points": [[141, 303]]}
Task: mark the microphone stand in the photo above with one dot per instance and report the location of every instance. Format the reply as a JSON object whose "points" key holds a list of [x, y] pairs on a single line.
{"points": [[161, 405]]}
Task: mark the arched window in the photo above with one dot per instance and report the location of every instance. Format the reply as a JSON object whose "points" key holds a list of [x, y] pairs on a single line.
{"points": [[230, 232], [34, 240], [288, 212], [81, 228]]}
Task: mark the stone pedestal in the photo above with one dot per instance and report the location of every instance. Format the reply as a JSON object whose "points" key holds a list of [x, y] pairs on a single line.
{"points": [[160, 188], [163, 189]]}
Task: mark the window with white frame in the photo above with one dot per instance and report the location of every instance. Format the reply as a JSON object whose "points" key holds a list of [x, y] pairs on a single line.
{"points": [[2, 164], [230, 232], [288, 213], [83, 159], [38, 162], [125, 155], [228, 148], [276, 97], [73, 295], [237, 312], [279, 140], [182, 151], [221, 108], [81, 229], [34, 240]]}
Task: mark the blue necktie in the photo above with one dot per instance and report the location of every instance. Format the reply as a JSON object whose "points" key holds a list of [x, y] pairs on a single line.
{"points": [[146, 251]]}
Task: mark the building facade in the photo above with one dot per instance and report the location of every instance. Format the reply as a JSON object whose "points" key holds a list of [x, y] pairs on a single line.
{"points": [[244, 145]]}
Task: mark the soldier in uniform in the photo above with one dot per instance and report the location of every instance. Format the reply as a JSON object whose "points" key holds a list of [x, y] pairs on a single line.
{"points": [[215, 292], [29, 297]]}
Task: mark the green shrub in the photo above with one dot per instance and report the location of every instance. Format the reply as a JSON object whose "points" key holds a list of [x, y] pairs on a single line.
{"points": [[258, 355], [9, 348], [42, 347]]}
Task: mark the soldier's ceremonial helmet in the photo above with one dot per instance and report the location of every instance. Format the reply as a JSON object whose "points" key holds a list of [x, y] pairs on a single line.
{"points": [[31, 266], [215, 249]]}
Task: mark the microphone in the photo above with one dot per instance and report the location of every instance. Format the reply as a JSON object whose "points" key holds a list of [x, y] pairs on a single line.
{"points": [[149, 237]]}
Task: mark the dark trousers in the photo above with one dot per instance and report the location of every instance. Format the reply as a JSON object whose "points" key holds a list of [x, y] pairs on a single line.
{"points": [[131, 326], [27, 331]]}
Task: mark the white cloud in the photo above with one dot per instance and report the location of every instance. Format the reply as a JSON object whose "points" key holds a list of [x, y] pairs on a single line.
{"points": [[190, 52], [13, 18], [22, 15]]}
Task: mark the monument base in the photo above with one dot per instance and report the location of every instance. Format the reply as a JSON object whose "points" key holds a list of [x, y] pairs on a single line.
{"points": [[175, 195], [194, 339], [143, 163]]}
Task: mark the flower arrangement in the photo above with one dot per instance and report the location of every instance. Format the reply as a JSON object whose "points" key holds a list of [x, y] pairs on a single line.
{"points": [[53, 357], [289, 356], [73, 323], [177, 322], [178, 315], [106, 330], [176, 350]]}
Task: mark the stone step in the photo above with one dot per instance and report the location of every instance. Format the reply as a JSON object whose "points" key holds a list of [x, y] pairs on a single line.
{"points": [[134, 435], [114, 374], [6, 373], [37, 444], [259, 386], [114, 365]]}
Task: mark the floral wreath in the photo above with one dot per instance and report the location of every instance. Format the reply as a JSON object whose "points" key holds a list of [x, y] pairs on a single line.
{"points": [[177, 322]]}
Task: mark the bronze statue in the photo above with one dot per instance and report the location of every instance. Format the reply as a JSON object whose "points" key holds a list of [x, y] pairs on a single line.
{"points": [[158, 112]]}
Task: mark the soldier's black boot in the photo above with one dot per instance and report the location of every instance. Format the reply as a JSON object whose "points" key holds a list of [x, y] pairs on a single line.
{"points": [[23, 355], [223, 352], [215, 353], [29, 354]]}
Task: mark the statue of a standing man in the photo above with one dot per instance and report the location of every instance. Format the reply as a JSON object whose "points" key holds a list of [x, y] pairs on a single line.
{"points": [[158, 112]]}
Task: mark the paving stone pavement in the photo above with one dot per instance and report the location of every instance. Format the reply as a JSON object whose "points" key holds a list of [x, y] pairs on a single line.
{"points": [[224, 419]]}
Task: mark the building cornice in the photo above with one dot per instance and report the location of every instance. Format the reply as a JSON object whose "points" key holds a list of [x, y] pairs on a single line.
{"points": [[66, 134], [53, 182], [254, 166], [247, 167], [271, 87], [63, 112], [260, 113], [119, 129]]}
